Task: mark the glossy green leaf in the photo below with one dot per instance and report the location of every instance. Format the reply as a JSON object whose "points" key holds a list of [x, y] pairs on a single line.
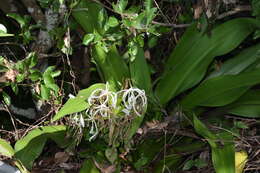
{"points": [[221, 90], [122, 5], [88, 166], [85, 13], [55, 73], [20, 77], [21, 20], [111, 65], [73, 105], [239, 63], [85, 93], [223, 154], [6, 149], [15, 88], [102, 18], [140, 73], [88, 38], [35, 76], [190, 59], [150, 14], [247, 105], [30, 147], [48, 79], [223, 157], [45, 92], [78, 103], [7, 98], [33, 59], [112, 22]]}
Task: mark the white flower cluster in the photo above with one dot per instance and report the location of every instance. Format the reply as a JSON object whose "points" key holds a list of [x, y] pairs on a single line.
{"points": [[104, 105]]}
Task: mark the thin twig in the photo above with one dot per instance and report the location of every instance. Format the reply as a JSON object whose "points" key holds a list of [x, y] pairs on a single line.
{"points": [[15, 44], [236, 10], [171, 24], [221, 16], [13, 122], [164, 16]]}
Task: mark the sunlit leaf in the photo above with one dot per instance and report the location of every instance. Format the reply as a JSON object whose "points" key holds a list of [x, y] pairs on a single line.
{"points": [[7, 98], [240, 161], [45, 92], [222, 147], [6, 149], [88, 38], [78, 103], [30, 147], [112, 22]]}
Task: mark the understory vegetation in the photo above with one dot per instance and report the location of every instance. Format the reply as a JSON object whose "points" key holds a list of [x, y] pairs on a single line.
{"points": [[143, 86]]}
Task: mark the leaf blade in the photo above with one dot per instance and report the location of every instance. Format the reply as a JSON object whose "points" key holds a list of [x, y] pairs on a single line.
{"points": [[188, 63]]}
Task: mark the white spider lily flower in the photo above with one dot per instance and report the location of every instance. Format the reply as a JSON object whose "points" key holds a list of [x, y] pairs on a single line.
{"points": [[102, 101], [134, 99], [78, 119], [102, 96], [93, 124], [126, 111], [103, 106], [71, 96]]}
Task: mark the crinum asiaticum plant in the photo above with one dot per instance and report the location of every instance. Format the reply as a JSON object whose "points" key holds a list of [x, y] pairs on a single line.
{"points": [[186, 68], [106, 111]]}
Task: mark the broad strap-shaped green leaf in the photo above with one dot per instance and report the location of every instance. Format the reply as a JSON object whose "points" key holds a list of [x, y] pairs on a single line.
{"points": [[140, 77], [222, 90], [88, 166], [244, 61], [6, 149], [86, 14], [135, 124], [73, 105], [140, 73], [190, 59], [78, 103], [30, 147], [247, 105], [223, 156], [111, 65], [143, 156]]}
